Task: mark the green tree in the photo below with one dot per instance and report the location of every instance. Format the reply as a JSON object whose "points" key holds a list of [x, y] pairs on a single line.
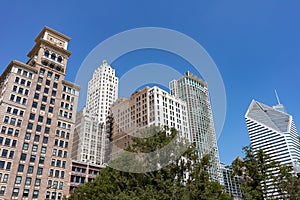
{"points": [[260, 175], [168, 183]]}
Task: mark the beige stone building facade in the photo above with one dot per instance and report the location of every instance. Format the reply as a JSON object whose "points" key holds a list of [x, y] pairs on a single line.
{"points": [[149, 107], [37, 116]]}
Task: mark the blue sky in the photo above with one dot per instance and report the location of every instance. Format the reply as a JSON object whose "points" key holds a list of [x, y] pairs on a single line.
{"points": [[255, 44]]}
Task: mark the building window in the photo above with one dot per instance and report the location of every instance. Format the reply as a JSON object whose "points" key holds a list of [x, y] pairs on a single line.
{"points": [[48, 121], [59, 59], [40, 171], [53, 56], [46, 53], [23, 156], [46, 90], [2, 164], [42, 71], [34, 104], [34, 148], [30, 170], [47, 130], [42, 160], [27, 136], [25, 192], [18, 179], [45, 140], [4, 153], [21, 168], [36, 138], [38, 87], [2, 190], [37, 182], [8, 165], [32, 158], [11, 154], [28, 181], [40, 119], [25, 146], [44, 149], [15, 192]]}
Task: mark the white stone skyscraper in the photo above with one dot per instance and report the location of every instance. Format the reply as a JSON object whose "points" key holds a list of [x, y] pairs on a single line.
{"points": [[194, 92], [90, 136], [102, 91]]}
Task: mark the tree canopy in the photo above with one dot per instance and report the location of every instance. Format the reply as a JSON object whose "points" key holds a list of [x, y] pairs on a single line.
{"points": [[184, 178]]}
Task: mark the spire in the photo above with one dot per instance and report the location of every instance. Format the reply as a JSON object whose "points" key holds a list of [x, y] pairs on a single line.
{"points": [[277, 97], [279, 106]]}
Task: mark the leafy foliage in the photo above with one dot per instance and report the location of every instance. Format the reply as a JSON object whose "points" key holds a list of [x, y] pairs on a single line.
{"points": [[259, 176], [185, 178]]}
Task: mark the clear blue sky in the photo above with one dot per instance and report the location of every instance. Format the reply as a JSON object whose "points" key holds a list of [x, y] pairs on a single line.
{"points": [[255, 44]]}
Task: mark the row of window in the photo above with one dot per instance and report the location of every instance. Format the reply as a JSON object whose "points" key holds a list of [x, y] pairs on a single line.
{"points": [[29, 171], [62, 134], [25, 73], [65, 114], [5, 165], [64, 125], [6, 153], [22, 81], [32, 158], [56, 173], [18, 99], [18, 180], [10, 131], [4, 179], [46, 91], [59, 153], [38, 127], [67, 97], [48, 82], [8, 142], [20, 90], [25, 193], [42, 107], [49, 74], [66, 105], [52, 56], [40, 118], [34, 147], [44, 98], [15, 111], [61, 143]]}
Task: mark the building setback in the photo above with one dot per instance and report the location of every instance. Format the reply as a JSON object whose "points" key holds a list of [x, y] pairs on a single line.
{"points": [[146, 108], [37, 116], [194, 92]]}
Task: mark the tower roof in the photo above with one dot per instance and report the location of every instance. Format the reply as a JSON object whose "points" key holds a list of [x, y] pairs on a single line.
{"points": [[269, 116]]}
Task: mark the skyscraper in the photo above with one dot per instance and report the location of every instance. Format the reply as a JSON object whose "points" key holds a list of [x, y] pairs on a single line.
{"points": [[37, 116], [102, 91], [90, 136], [194, 92], [145, 108], [273, 130]]}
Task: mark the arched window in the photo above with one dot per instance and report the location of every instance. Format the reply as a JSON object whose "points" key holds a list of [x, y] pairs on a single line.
{"points": [[59, 59], [51, 65], [46, 53], [58, 68], [53, 56]]}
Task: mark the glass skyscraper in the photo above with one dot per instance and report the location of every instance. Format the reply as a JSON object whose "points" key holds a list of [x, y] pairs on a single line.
{"points": [[194, 92]]}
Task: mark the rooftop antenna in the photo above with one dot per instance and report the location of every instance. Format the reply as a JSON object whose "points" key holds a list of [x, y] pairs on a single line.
{"points": [[277, 97]]}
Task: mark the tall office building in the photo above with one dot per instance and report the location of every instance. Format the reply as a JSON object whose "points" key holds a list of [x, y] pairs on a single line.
{"points": [[90, 139], [37, 116], [273, 130], [102, 91], [195, 93], [146, 108]]}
